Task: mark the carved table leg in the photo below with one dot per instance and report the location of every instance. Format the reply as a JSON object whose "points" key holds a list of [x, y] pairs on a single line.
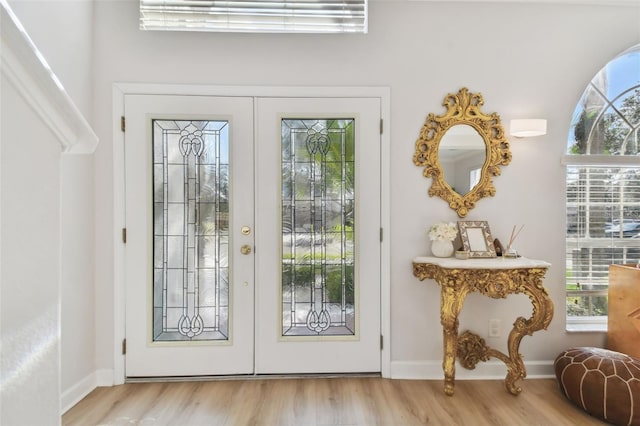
{"points": [[473, 349], [451, 304], [541, 318]]}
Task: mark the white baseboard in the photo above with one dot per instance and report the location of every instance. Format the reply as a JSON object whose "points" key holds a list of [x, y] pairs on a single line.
{"points": [[104, 378], [75, 393], [491, 370]]}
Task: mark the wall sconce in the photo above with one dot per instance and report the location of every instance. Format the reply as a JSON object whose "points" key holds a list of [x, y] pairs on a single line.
{"points": [[529, 127]]}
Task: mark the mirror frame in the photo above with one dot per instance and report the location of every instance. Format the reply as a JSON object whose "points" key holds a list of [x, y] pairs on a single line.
{"points": [[463, 107]]}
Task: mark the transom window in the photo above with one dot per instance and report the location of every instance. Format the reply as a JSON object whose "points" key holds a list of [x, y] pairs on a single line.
{"points": [[264, 16], [603, 188]]}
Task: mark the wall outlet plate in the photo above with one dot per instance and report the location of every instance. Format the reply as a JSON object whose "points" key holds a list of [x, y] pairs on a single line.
{"points": [[495, 327]]}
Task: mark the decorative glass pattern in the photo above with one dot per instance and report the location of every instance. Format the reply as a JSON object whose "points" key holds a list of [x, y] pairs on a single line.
{"points": [[318, 202], [190, 230]]}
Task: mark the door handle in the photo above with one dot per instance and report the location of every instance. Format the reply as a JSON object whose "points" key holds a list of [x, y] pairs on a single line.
{"points": [[245, 249]]}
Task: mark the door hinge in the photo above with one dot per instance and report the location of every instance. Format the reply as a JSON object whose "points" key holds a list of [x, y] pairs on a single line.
{"points": [[381, 342], [124, 235], [123, 123], [381, 234], [124, 346], [381, 126]]}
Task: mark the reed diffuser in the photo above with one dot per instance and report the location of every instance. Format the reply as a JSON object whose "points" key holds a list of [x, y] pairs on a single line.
{"points": [[510, 252]]}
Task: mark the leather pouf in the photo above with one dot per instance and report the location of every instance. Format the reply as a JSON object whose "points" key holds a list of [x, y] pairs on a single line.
{"points": [[604, 383]]}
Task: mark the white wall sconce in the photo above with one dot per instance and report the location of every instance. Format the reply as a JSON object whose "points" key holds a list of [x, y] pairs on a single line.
{"points": [[529, 127]]}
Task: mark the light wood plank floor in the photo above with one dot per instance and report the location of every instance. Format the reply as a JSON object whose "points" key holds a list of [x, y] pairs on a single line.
{"points": [[326, 401]]}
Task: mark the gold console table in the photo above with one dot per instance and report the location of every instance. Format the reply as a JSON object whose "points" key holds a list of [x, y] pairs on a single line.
{"points": [[495, 278]]}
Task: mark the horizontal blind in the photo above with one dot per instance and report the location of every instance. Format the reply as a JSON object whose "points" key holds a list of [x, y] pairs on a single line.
{"points": [[603, 224], [266, 16]]}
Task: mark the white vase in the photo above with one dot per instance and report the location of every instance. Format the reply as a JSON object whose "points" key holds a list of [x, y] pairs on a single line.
{"points": [[441, 248]]}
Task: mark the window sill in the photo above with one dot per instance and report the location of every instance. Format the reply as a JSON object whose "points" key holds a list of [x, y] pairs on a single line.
{"points": [[586, 324]]}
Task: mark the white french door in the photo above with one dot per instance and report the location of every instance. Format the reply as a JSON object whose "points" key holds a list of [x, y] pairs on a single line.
{"points": [[238, 264], [189, 192], [318, 235]]}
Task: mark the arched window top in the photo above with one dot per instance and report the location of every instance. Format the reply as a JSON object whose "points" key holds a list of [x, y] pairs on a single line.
{"points": [[606, 121]]}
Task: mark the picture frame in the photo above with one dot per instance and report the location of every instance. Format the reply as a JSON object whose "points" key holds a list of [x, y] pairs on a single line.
{"points": [[476, 238]]}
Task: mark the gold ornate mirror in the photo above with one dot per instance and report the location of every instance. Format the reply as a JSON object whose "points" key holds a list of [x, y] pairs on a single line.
{"points": [[461, 150]]}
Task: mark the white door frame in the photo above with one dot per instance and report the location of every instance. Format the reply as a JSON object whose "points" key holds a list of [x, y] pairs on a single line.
{"points": [[118, 93]]}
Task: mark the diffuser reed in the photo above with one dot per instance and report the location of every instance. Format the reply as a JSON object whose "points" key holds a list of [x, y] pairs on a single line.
{"points": [[510, 251]]}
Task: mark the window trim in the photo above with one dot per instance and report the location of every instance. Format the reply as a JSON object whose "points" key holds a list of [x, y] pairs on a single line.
{"points": [[587, 324], [600, 160]]}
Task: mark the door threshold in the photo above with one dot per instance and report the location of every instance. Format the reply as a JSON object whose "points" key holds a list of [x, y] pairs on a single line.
{"points": [[166, 379]]}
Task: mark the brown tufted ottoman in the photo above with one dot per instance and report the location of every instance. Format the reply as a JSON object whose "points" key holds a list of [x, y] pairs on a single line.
{"points": [[604, 383]]}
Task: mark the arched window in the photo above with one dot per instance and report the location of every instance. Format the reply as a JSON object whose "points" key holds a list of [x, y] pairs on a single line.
{"points": [[603, 188]]}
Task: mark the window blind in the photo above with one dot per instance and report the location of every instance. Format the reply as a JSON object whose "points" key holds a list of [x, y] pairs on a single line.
{"points": [[261, 16], [603, 228]]}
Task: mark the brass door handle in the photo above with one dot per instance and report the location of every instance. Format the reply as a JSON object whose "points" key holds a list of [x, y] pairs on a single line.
{"points": [[245, 249]]}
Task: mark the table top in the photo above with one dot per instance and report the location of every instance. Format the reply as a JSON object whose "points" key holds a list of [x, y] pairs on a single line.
{"points": [[482, 263]]}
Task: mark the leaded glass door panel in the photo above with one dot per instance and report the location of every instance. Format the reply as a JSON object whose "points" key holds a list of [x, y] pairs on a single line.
{"points": [[318, 197], [318, 239], [189, 190]]}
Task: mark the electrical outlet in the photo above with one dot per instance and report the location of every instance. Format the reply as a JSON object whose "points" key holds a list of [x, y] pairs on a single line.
{"points": [[495, 327]]}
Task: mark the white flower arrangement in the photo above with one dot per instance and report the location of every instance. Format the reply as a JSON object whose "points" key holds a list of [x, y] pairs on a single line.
{"points": [[443, 232]]}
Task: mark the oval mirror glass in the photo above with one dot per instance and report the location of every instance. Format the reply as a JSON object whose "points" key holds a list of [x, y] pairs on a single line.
{"points": [[462, 153]]}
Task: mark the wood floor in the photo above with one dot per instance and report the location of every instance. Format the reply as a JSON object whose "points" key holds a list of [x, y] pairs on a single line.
{"points": [[326, 401]]}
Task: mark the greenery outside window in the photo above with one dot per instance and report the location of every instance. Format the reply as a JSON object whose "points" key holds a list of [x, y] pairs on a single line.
{"points": [[602, 188]]}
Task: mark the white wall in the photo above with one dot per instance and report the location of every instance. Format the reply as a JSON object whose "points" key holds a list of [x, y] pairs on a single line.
{"points": [[29, 266], [78, 349], [62, 32], [527, 60]]}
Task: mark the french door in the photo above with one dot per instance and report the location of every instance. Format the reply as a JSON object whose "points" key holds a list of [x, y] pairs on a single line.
{"points": [[188, 310], [252, 264], [318, 245]]}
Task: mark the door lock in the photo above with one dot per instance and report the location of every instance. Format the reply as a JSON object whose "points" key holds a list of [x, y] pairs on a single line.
{"points": [[245, 230], [245, 249]]}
